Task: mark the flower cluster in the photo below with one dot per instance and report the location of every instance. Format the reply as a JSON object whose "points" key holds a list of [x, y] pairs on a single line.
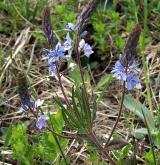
{"points": [[64, 51], [83, 46], [60, 52], [128, 73], [53, 56]]}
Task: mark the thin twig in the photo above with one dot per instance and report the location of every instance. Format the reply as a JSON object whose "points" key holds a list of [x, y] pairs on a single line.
{"points": [[62, 136], [119, 115]]}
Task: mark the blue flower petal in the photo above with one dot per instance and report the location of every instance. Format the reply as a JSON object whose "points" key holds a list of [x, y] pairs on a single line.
{"points": [[41, 121], [70, 27], [132, 81], [87, 50], [120, 75]]}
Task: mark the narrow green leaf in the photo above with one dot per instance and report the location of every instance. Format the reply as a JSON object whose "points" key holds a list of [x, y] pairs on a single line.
{"points": [[94, 108], [68, 122], [67, 117], [8, 8], [86, 108], [70, 116], [8, 136], [75, 108], [78, 96]]}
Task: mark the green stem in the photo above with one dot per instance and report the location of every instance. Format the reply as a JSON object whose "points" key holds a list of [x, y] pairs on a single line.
{"points": [[149, 99], [56, 139], [60, 149], [150, 138]]}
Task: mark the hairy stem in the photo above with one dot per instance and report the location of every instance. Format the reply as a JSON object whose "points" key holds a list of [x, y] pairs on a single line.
{"points": [[62, 88]]}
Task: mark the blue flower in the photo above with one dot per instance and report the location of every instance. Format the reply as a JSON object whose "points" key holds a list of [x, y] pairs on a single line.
{"points": [[68, 43], [133, 68], [118, 67], [56, 54], [81, 44], [120, 75], [68, 46], [83, 34], [53, 56], [52, 67], [38, 103], [70, 27], [86, 48], [132, 81], [41, 121], [119, 71]]}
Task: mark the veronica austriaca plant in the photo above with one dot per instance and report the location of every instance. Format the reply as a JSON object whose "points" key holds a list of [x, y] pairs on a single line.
{"points": [[79, 110]]}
